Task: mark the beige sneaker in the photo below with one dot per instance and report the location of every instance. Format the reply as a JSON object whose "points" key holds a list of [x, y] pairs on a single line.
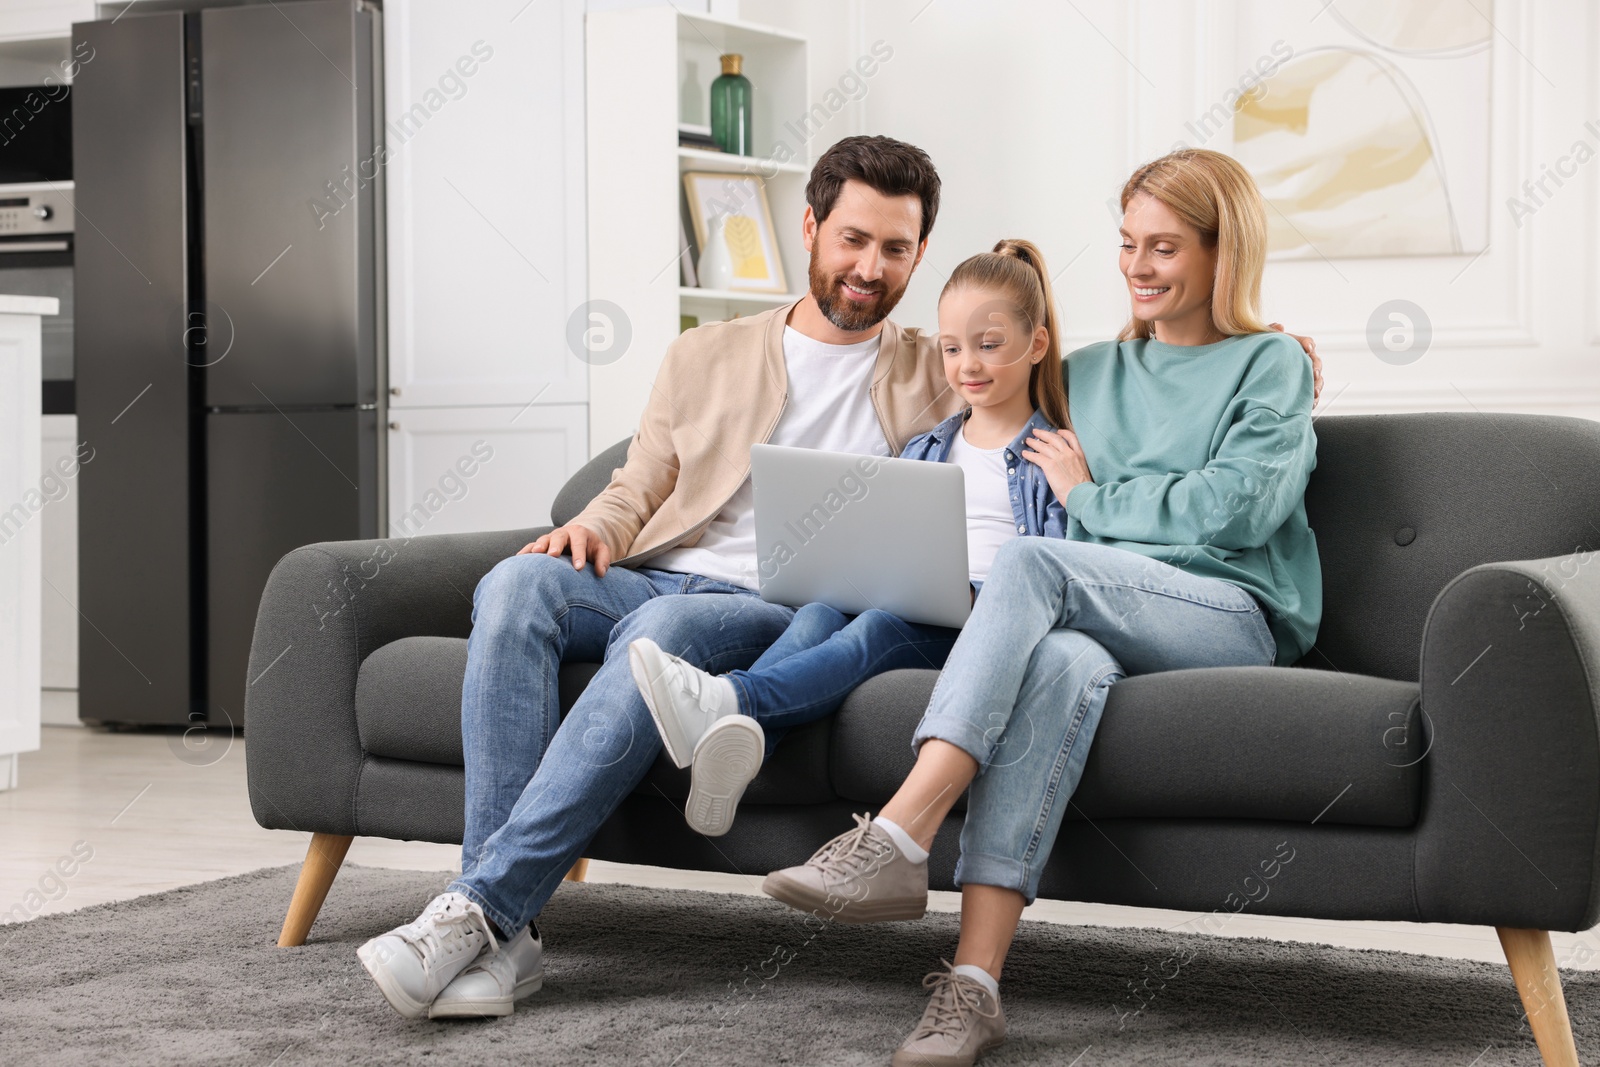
{"points": [[858, 877], [961, 1023]]}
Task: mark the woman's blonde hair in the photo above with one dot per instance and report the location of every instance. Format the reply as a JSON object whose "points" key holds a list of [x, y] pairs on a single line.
{"points": [[1016, 270], [1215, 195]]}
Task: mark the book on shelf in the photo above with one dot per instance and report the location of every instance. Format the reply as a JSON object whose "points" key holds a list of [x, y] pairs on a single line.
{"points": [[691, 136], [686, 272]]}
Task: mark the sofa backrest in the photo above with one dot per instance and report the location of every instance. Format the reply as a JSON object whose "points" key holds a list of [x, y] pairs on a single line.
{"points": [[584, 486], [1400, 505]]}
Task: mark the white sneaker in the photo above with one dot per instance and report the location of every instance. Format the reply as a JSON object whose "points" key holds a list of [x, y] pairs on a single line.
{"points": [[683, 699], [413, 963], [725, 760], [495, 981]]}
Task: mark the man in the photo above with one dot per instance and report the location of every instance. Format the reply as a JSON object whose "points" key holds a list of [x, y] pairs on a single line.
{"points": [[828, 372]]}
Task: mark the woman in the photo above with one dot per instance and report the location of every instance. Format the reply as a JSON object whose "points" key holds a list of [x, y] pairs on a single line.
{"points": [[1187, 547]]}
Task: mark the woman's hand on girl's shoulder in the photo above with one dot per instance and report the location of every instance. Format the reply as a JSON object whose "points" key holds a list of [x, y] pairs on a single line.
{"points": [[1060, 456], [1310, 345]]}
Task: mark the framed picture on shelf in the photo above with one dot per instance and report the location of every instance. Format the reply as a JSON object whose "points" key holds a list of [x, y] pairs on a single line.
{"points": [[739, 203]]}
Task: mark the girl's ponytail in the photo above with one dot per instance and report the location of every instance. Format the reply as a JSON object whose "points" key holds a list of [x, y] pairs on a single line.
{"points": [[1047, 388]]}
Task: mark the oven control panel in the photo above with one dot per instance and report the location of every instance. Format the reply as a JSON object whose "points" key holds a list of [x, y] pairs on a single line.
{"points": [[35, 210]]}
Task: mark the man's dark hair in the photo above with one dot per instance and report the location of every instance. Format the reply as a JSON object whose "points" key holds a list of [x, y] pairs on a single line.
{"points": [[890, 167]]}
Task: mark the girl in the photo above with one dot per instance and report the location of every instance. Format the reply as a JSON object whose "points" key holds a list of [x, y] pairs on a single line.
{"points": [[1002, 356], [1187, 546]]}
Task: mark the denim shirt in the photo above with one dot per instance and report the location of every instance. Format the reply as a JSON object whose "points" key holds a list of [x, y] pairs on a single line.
{"points": [[1033, 504]]}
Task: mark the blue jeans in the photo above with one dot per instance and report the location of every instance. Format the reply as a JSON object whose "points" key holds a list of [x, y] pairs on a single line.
{"points": [[823, 655], [538, 786], [1024, 687]]}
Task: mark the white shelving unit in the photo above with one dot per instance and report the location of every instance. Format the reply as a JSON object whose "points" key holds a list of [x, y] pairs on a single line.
{"points": [[701, 159], [730, 296], [648, 70]]}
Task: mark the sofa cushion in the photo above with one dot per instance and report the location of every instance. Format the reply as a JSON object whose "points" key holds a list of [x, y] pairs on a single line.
{"points": [[1233, 742], [404, 693], [408, 698], [408, 707]]}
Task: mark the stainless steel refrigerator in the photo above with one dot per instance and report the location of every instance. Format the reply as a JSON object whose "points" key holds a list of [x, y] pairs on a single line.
{"points": [[229, 349]]}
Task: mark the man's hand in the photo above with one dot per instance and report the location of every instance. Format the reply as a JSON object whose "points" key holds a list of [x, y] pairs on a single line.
{"points": [[1059, 455], [585, 545], [1311, 350]]}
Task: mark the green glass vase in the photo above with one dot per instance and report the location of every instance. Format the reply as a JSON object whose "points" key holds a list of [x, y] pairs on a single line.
{"points": [[730, 109]]}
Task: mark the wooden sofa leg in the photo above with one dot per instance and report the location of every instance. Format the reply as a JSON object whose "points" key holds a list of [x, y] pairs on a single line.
{"points": [[579, 872], [322, 863], [1533, 968]]}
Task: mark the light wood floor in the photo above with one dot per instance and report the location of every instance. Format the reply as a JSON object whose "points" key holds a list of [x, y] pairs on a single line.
{"points": [[158, 816]]}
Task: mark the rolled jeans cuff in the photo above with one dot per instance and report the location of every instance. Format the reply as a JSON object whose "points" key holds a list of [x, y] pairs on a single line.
{"points": [[741, 693], [507, 925], [966, 735], [982, 868]]}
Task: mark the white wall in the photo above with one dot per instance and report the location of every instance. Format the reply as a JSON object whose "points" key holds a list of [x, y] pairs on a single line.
{"points": [[835, 32], [58, 526], [1036, 111]]}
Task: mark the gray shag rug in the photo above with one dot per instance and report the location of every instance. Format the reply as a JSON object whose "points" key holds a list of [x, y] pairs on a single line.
{"points": [[672, 977]]}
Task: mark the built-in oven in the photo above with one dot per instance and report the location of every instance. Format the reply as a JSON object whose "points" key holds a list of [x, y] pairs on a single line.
{"points": [[36, 220]]}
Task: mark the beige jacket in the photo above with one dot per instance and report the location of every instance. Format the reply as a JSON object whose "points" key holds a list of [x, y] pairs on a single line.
{"points": [[721, 389]]}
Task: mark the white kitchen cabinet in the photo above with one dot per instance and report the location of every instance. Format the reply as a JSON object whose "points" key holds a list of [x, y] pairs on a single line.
{"points": [[21, 537], [485, 194], [23, 20], [454, 470]]}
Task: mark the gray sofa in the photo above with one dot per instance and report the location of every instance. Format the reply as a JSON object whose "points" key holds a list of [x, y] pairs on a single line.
{"points": [[1435, 758]]}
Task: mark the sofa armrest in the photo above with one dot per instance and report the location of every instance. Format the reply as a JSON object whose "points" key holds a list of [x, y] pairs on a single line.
{"points": [[325, 608], [1510, 831]]}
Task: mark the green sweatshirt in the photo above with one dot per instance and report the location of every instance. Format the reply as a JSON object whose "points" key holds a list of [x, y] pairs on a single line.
{"points": [[1200, 456]]}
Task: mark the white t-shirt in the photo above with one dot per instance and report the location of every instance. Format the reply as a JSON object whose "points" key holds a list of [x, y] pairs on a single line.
{"points": [[829, 408], [990, 520]]}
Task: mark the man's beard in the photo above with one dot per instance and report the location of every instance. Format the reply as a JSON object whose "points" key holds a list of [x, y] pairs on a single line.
{"points": [[845, 313]]}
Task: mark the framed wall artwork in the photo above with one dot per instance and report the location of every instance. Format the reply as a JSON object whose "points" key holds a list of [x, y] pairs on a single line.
{"points": [[736, 204], [1370, 135]]}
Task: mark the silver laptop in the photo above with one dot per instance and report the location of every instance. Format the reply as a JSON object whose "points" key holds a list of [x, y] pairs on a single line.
{"points": [[859, 532]]}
